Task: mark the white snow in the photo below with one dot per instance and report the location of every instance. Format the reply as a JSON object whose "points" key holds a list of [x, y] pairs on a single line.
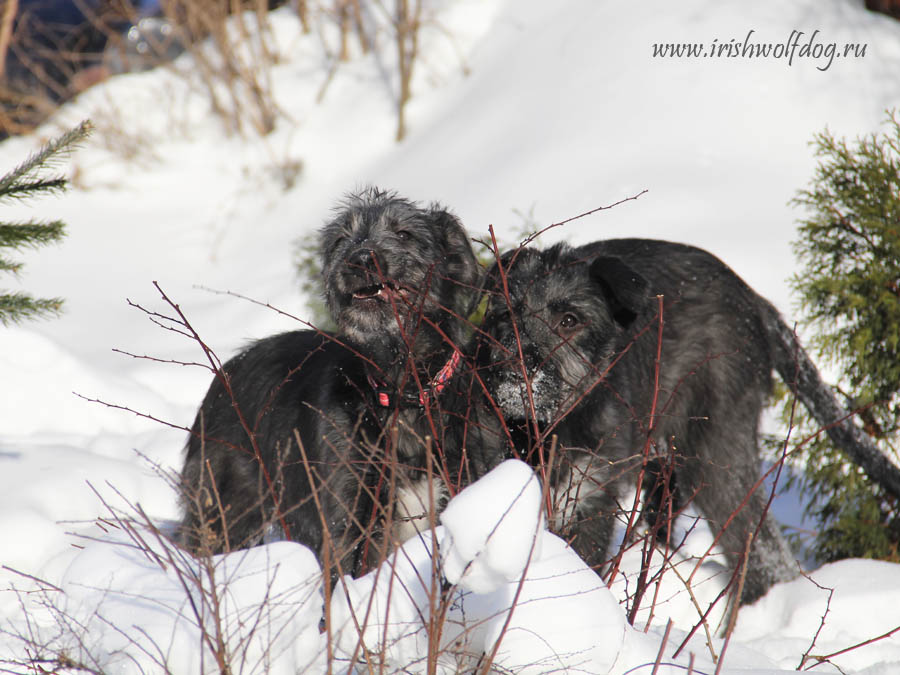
{"points": [[492, 570], [125, 609], [547, 109], [493, 528]]}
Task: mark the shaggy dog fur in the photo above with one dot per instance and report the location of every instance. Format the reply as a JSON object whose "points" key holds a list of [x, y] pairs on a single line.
{"points": [[574, 353], [329, 439]]}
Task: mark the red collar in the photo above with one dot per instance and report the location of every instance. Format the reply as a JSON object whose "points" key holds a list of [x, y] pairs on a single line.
{"points": [[387, 398]]}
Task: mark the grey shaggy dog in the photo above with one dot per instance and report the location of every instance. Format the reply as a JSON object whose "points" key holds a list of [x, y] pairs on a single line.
{"points": [[573, 351], [308, 434]]}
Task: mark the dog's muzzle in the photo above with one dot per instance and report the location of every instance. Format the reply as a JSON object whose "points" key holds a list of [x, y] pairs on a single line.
{"points": [[366, 278], [535, 400]]}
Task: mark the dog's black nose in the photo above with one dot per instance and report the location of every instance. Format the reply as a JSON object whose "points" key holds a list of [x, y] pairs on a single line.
{"points": [[366, 259]]}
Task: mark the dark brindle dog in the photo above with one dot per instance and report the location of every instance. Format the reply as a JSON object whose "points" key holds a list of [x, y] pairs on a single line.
{"points": [[586, 321], [367, 405]]}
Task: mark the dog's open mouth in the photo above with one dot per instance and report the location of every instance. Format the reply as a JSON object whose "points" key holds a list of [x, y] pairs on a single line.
{"points": [[381, 292]]}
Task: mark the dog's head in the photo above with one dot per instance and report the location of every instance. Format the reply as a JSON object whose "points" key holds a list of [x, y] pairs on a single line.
{"points": [[390, 265], [560, 325]]}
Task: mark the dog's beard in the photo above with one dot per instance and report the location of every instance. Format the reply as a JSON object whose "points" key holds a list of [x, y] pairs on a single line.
{"points": [[512, 396], [373, 319]]}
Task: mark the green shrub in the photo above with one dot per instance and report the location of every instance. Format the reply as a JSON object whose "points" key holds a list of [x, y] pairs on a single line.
{"points": [[849, 292]]}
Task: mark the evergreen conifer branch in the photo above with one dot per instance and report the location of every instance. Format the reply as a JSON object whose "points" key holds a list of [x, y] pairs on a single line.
{"points": [[19, 307], [23, 182], [31, 234], [27, 190], [49, 155]]}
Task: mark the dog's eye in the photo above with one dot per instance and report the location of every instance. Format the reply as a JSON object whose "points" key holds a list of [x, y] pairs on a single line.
{"points": [[568, 323], [404, 235]]}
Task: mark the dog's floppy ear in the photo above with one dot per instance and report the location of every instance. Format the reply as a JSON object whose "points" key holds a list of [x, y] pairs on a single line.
{"points": [[626, 291], [462, 267]]}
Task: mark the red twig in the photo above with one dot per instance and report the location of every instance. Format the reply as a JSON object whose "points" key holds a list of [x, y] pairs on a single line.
{"points": [[806, 654], [823, 659]]}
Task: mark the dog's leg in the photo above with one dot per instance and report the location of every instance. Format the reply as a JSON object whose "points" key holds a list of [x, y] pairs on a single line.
{"points": [[723, 477]]}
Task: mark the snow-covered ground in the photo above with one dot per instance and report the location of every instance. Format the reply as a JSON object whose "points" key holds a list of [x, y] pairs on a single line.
{"points": [[524, 110]]}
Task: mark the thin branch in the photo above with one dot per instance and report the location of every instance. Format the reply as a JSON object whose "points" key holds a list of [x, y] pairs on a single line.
{"points": [[806, 655]]}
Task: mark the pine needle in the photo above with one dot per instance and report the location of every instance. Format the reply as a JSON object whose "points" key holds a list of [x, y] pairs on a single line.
{"points": [[30, 234], [23, 178], [18, 307]]}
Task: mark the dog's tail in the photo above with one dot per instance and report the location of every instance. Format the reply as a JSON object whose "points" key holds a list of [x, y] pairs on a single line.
{"points": [[800, 374]]}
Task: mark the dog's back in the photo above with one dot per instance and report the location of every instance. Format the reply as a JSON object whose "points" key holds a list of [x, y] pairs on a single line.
{"points": [[715, 358], [301, 384]]}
